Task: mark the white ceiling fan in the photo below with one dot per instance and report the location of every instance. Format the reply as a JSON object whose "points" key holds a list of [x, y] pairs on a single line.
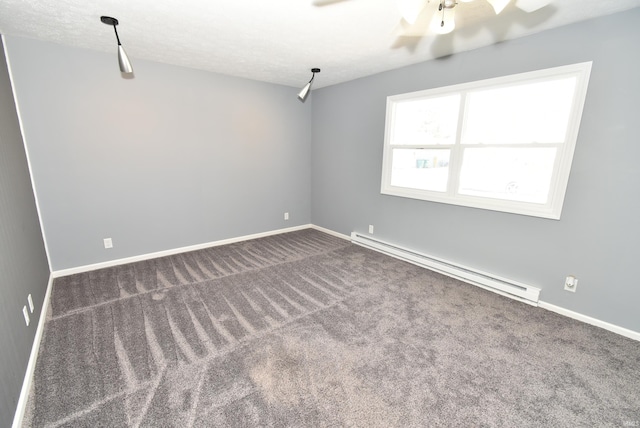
{"points": [[443, 11]]}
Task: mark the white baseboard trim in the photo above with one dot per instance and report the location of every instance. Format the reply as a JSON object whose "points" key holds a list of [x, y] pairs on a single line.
{"points": [[589, 320], [148, 256], [21, 407], [331, 232]]}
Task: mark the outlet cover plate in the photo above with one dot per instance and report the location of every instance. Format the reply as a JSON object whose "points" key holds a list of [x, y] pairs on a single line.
{"points": [[25, 312], [571, 283]]}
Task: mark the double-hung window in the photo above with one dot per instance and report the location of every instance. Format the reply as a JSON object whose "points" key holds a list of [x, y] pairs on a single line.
{"points": [[502, 144]]}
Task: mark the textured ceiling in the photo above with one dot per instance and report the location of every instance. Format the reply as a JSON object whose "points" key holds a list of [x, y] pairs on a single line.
{"points": [[279, 41]]}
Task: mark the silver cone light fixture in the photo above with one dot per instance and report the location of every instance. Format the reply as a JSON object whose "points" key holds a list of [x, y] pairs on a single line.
{"points": [[123, 59], [305, 91]]}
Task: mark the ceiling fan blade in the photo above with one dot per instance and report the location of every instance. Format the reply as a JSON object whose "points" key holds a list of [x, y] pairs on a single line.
{"points": [[532, 5], [499, 5], [326, 2], [410, 9], [419, 28]]}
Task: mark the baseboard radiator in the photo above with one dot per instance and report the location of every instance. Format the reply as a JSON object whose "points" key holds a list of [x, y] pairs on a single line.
{"points": [[506, 287]]}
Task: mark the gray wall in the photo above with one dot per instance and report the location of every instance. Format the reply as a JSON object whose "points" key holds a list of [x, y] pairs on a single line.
{"points": [[598, 234], [171, 158], [23, 261]]}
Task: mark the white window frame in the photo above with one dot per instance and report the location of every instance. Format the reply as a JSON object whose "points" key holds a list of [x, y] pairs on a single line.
{"points": [[557, 189]]}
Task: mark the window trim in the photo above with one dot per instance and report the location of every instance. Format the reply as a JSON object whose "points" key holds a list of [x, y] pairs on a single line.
{"points": [[562, 166]]}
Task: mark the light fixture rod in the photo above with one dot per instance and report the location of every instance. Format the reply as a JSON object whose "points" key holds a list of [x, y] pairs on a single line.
{"points": [[314, 71], [113, 22], [116, 31]]}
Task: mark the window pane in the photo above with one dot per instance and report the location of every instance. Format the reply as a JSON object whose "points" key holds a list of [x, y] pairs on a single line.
{"points": [[508, 173], [431, 121], [425, 169], [523, 114]]}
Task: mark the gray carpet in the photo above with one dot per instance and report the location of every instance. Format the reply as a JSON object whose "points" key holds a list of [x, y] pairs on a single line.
{"points": [[305, 329]]}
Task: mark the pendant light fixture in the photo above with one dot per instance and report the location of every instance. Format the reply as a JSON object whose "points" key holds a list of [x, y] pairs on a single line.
{"points": [[123, 59], [305, 91]]}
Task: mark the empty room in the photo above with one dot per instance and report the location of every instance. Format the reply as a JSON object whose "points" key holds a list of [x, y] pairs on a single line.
{"points": [[322, 213]]}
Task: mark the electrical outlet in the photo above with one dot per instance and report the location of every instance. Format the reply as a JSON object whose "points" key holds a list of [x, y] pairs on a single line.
{"points": [[371, 229], [571, 283], [30, 301], [108, 243], [25, 312], [286, 216]]}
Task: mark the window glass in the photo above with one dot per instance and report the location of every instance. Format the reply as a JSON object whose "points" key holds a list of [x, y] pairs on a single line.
{"points": [[519, 114], [431, 121], [425, 169], [516, 174]]}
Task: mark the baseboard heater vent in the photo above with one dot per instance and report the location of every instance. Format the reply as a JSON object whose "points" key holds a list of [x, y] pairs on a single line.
{"points": [[506, 287]]}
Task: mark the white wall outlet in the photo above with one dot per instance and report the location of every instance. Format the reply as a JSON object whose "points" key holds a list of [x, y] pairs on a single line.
{"points": [[286, 216], [108, 243], [571, 283], [371, 228], [25, 312], [30, 301]]}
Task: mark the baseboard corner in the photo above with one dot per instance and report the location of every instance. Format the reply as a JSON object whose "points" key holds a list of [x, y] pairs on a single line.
{"points": [[330, 232], [631, 334]]}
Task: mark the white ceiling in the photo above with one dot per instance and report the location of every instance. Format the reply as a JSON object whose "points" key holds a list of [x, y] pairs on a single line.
{"points": [[279, 41]]}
